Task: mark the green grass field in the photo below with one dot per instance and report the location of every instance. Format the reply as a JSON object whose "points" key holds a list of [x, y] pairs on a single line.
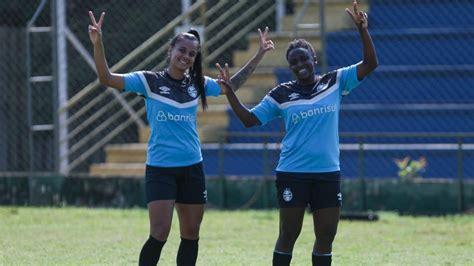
{"points": [[78, 236]]}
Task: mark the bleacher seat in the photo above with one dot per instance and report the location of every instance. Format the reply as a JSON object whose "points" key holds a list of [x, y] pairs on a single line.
{"points": [[405, 47], [435, 14], [409, 85]]}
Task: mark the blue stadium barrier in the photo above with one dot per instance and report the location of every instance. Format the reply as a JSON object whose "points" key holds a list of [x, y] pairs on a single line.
{"points": [[379, 160], [436, 14], [407, 120], [240, 159], [405, 46], [441, 163], [235, 126]]}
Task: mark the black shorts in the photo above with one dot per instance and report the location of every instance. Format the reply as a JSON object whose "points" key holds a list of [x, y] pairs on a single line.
{"points": [[318, 192], [185, 184]]}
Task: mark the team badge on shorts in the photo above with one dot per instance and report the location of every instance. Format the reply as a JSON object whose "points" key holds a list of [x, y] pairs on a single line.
{"points": [[192, 91], [287, 195]]}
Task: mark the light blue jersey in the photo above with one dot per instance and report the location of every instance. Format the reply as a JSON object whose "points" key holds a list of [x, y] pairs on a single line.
{"points": [[311, 143], [171, 108]]}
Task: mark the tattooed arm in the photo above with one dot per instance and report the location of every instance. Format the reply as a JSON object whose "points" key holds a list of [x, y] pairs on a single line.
{"points": [[239, 78]]}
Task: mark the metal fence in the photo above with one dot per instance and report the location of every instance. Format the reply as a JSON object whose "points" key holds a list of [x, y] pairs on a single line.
{"points": [[55, 118]]}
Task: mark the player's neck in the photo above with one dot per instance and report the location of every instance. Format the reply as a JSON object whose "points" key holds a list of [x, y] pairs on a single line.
{"points": [[308, 82], [175, 74]]}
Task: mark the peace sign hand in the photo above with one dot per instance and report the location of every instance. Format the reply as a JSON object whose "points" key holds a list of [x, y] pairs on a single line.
{"points": [[359, 17], [265, 45], [95, 29], [224, 78]]}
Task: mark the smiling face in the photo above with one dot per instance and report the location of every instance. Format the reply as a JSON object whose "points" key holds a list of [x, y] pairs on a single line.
{"points": [[302, 63], [183, 53]]}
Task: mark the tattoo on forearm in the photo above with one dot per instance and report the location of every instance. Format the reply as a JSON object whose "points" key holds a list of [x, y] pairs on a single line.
{"points": [[238, 79]]}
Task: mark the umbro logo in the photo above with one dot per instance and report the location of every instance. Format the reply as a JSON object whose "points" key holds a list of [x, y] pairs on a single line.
{"points": [[293, 96], [164, 90]]}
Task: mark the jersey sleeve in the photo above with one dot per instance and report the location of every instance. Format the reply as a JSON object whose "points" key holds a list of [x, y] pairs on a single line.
{"points": [[266, 110], [135, 82], [212, 87], [348, 79]]}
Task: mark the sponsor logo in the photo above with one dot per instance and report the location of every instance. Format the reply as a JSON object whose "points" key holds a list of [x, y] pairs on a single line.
{"points": [[287, 195], [163, 116], [192, 91], [295, 118], [339, 196], [298, 116], [293, 96], [204, 194], [164, 90]]}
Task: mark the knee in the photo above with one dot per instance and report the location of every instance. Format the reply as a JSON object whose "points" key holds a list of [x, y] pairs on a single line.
{"points": [[160, 231], [190, 231], [288, 235], [326, 237]]}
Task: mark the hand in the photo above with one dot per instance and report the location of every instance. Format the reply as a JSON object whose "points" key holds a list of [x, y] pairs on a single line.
{"points": [[265, 45], [95, 30], [359, 17], [224, 78]]}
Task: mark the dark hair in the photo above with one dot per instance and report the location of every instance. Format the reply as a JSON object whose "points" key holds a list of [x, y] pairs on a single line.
{"points": [[299, 43], [196, 70]]}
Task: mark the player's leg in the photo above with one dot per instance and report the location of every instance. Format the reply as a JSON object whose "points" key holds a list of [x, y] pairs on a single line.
{"points": [[160, 187], [190, 200], [190, 218], [325, 203], [325, 228], [291, 222], [292, 196]]}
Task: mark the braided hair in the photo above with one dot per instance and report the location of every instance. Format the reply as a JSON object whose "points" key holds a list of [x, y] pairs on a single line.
{"points": [[300, 43]]}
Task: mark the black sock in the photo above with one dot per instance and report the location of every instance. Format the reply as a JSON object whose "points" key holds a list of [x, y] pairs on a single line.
{"points": [[281, 258], [321, 259], [151, 252], [187, 252]]}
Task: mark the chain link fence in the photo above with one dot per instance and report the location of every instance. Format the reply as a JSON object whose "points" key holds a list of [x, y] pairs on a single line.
{"points": [[419, 104]]}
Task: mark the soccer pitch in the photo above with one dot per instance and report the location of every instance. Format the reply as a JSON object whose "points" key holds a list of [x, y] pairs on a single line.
{"points": [[80, 236]]}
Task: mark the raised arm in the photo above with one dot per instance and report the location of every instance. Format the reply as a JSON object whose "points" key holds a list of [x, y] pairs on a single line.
{"points": [[370, 61], [244, 114], [106, 78], [244, 73]]}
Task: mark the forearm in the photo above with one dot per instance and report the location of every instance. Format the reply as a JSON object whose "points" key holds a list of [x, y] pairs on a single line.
{"points": [[101, 66], [106, 78], [370, 56], [244, 114], [239, 78]]}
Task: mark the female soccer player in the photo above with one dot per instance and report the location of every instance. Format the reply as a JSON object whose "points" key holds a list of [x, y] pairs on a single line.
{"points": [[174, 174], [308, 171]]}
